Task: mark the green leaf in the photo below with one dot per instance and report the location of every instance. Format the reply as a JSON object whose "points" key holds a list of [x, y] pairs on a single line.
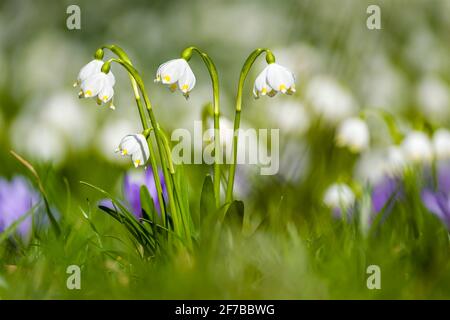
{"points": [[207, 199], [235, 214], [148, 206]]}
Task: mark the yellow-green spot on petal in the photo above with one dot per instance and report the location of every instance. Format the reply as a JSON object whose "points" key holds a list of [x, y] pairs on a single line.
{"points": [[166, 78], [184, 88], [124, 152], [88, 93], [282, 88]]}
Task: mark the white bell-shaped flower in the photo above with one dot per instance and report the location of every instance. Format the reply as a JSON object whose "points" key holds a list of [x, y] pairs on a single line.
{"points": [[273, 79], [89, 70], [417, 147], [339, 195], [175, 74], [441, 144], [99, 85], [354, 134], [135, 146]]}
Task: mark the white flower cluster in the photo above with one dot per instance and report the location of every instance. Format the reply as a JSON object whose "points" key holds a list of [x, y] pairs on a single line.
{"points": [[96, 84]]}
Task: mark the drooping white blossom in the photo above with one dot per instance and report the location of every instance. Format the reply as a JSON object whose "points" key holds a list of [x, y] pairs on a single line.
{"points": [[89, 70], [175, 74], [273, 79], [96, 84], [135, 146]]}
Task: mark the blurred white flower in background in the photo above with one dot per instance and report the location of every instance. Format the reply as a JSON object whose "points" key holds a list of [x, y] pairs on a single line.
{"points": [[372, 166], [354, 134], [37, 140], [47, 130], [110, 135], [441, 144], [64, 113], [289, 116], [329, 99], [395, 160], [44, 65], [433, 98], [417, 147], [339, 195], [382, 85], [302, 59], [294, 161]]}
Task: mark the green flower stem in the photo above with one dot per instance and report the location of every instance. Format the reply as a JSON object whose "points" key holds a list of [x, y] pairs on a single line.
{"points": [[237, 117], [169, 177], [152, 155], [160, 144], [123, 56], [187, 53]]}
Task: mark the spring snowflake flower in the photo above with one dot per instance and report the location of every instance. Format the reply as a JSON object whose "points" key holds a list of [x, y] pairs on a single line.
{"points": [[273, 79], [339, 196], [417, 147], [96, 84], [441, 144], [135, 146], [175, 74], [89, 70], [354, 134]]}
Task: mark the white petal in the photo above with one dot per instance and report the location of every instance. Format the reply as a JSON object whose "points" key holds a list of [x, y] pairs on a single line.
{"points": [[89, 69], [111, 79], [280, 78], [261, 86], [106, 93], [141, 155], [129, 145], [171, 71], [187, 80], [92, 85]]}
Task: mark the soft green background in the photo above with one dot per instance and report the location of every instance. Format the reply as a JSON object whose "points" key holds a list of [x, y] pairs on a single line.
{"points": [[301, 252]]}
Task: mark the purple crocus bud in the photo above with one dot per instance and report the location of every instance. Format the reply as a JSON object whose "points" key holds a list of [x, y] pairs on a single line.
{"points": [[444, 178], [133, 181], [385, 194], [16, 199], [437, 203]]}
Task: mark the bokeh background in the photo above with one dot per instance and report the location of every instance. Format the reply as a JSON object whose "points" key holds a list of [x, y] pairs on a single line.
{"points": [[403, 68]]}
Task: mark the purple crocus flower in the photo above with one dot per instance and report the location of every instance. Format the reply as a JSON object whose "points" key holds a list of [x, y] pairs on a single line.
{"points": [[132, 183], [438, 201], [385, 194], [16, 199]]}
